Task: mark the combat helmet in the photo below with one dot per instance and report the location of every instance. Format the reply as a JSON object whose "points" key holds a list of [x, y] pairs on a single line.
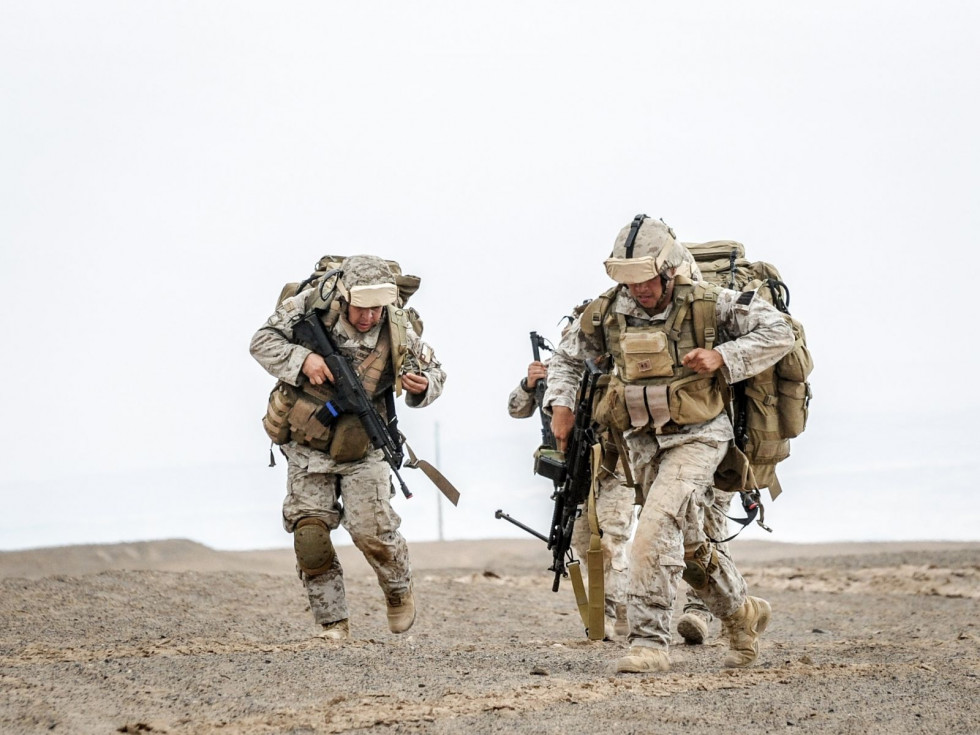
{"points": [[367, 281], [645, 249]]}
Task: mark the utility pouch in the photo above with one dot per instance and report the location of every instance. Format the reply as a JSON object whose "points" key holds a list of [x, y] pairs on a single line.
{"points": [[350, 441], [695, 399], [792, 390], [275, 422], [610, 409], [305, 427], [645, 355]]}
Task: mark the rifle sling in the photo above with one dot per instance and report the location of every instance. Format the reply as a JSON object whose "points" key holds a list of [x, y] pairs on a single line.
{"points": [[597, 594], [437, 478]]}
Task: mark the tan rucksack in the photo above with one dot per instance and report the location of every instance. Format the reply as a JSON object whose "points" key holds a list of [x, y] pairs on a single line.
{"points": [[772, 407]]}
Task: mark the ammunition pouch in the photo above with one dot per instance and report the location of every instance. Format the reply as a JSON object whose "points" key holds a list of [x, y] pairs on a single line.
{"points": [[276, 419]]}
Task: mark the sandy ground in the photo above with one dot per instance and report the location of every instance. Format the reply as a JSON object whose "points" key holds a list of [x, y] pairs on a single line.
{"points": [[173, 637]]}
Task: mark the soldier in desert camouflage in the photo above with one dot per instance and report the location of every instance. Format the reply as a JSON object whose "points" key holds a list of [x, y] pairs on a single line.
{"points": [[335, 477], [614, 509], [675, 344]]}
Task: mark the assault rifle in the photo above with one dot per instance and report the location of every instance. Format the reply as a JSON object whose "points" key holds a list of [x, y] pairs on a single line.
{"points": [[350, 394], [539, 343], [571, 474]]}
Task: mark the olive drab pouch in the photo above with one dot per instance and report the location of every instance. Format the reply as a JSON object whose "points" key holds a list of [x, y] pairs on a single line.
{"points": [[695, 399], [350, 441], [610, 406], [276, 421], [794, 390], [646, 355]]}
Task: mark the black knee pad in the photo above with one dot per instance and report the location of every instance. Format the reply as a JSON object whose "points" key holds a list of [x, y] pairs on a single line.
{"points": [[314, 550]]}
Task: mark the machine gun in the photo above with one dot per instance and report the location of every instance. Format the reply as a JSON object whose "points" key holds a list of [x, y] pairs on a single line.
{"points": [[571, 473], [350, 395], [539, 343]]}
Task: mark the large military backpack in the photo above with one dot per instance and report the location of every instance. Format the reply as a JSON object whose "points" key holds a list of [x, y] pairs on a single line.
{"points": [[407, 285], [772, 407]]}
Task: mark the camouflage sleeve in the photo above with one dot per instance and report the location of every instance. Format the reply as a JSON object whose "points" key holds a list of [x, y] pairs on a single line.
{"points": [[520, 404], [567, 365], [422, 359], [272, 344], [756, 334]]}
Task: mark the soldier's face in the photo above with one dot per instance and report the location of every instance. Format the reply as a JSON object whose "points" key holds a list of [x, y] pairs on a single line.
{"points": [[364, 318], [649, 293]]}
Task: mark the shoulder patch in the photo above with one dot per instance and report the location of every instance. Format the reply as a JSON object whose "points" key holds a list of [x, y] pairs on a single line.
{"points": [[745, 298]]}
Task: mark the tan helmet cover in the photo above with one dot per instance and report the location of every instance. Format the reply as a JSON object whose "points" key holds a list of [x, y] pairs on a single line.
{"points": [[367, 281], [655, 252]]}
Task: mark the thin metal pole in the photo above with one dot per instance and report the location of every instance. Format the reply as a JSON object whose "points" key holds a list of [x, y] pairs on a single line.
{"points": [[438, 495]]}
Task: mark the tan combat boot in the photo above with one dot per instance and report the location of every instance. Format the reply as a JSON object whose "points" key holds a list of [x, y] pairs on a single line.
{"points": [[643, 659], [401, 611], [743, 628], [338, 630], [693, 628]]}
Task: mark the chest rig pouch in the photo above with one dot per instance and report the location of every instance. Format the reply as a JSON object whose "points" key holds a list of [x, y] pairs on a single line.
{"points": [[659, 391]]}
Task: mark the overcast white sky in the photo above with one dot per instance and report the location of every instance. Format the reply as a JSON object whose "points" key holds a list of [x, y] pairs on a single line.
{"points": [[166, 166]]}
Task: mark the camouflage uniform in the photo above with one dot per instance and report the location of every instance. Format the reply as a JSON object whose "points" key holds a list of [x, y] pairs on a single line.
{"points": [[353, 494], [614, 509], [675, 471]]}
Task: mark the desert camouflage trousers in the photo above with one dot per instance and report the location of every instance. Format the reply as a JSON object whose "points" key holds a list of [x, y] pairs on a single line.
{"points": [[357, 496], [676, 519], [615, 512]]}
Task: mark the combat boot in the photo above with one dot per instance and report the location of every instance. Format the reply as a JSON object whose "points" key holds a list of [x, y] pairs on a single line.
{"points": [[643, 659], [622, 627], [401, 611], [693, 628], [743, 628], [338, 630]]}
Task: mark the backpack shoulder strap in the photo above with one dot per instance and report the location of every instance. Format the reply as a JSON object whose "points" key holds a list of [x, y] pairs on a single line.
{"points": [[704, 315], [596, 312], [398, 321]]}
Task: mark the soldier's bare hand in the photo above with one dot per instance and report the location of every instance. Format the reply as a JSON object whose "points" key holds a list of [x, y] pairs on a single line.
{"points": [[315, 368], [701, 360], [536, 371], [415, 383], [562, 423]]}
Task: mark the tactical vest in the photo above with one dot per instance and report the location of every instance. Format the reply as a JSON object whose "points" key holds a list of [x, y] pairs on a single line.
{"points": [[651, 389], [291, 412]]}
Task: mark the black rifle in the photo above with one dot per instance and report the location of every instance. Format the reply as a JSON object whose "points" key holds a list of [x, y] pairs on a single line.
{"points": [[572, 477], [350, 396], [547, 438]]}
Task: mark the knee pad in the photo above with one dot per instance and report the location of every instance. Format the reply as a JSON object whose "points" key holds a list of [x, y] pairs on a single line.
{"points": [[314, 550], [699, 563]]}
